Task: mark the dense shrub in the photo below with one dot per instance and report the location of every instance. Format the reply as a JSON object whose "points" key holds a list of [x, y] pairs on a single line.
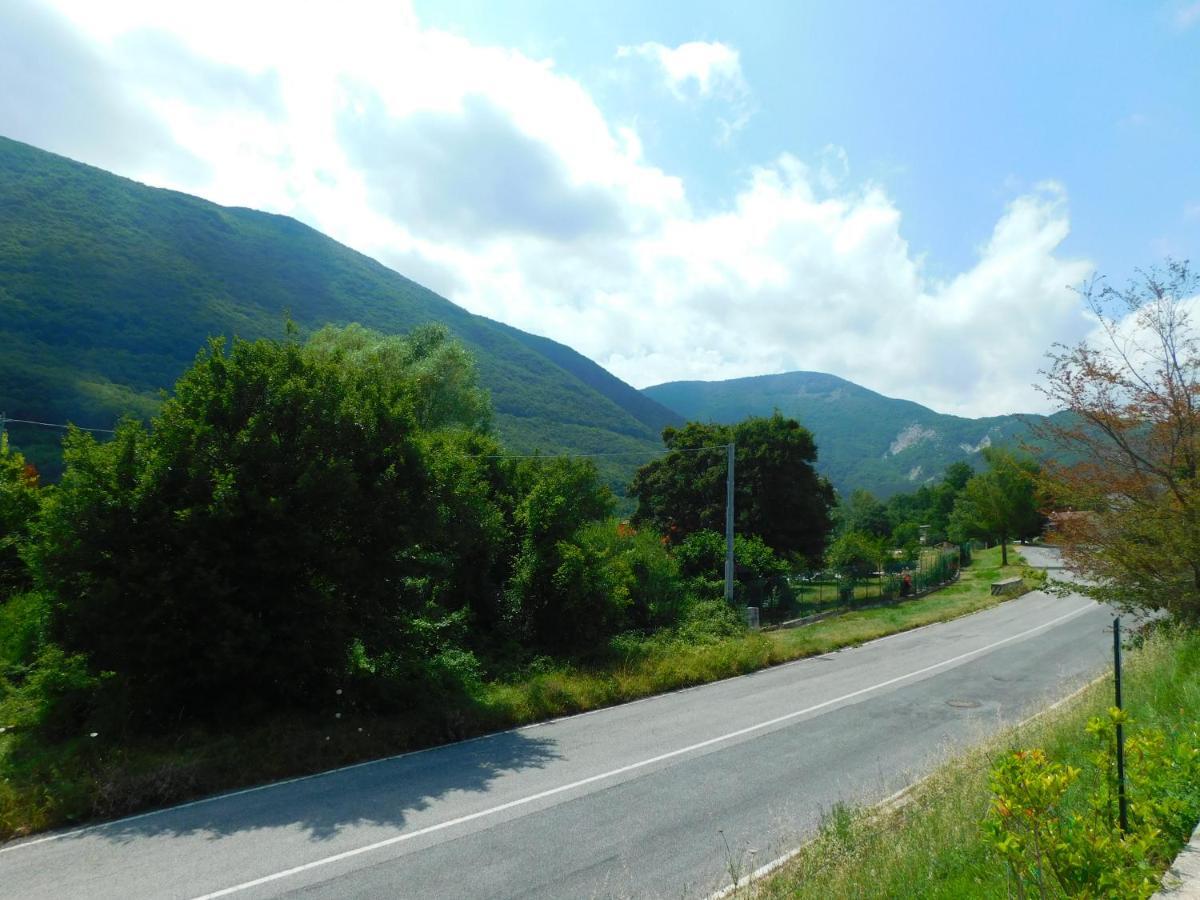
{"points": [[761, 577], [564, 600], [1051, 848], [281, 507]]}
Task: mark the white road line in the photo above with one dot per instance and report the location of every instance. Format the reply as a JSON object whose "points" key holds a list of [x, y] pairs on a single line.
{"points": [[541, 795]]}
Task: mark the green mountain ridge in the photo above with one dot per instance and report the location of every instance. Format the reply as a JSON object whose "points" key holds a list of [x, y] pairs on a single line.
{"points": [[864, 439], [108, 288]]}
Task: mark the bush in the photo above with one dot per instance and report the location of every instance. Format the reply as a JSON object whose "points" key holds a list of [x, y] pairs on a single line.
{"points": [[564, 598], [56, 699], [1050, 848], [23, 623], [761, 577], [710, 621]]}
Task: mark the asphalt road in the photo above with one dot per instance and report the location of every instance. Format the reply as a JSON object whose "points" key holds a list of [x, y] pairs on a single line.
{"points": [[634, 801]]}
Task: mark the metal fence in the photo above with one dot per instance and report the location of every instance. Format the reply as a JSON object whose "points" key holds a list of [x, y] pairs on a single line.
{"points": [[807, 593]]}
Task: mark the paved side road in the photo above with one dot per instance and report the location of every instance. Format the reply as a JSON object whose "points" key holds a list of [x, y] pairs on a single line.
{"points": [[637, 800]]}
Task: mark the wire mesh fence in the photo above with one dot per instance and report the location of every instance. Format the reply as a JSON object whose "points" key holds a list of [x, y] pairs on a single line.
{"points": [[803, 594]]}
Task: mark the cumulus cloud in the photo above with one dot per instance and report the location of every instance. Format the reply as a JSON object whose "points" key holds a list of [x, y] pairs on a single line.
{"points": [[707, 67], [469, 173], [498, 179], [701, 70]]}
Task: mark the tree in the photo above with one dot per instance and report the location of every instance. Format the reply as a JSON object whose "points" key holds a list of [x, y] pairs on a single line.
{"points": [[856, 553], [778, 494], [1124, 462], [999, 504], [864, 514], [20, 500], [285, 508]]}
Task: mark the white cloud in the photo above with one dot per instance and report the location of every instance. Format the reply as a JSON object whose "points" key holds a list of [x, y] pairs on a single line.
{"points": [[702, 70], [498, 179], [707, 67]]}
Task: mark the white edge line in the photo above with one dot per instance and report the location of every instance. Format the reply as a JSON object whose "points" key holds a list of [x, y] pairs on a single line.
{"points": [[541, 795], [19, 844], [779, 862]]}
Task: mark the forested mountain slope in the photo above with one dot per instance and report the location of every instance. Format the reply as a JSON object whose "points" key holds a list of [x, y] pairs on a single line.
{"points": [[864, 439], [108, 288]]}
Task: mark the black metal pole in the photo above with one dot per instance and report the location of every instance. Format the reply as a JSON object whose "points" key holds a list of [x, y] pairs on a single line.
{"points": [[729, 523], [1122, 803]]}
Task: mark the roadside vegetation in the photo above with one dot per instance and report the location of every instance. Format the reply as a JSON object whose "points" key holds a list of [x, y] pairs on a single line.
{"points": [[318, 552], [1033, 812]]}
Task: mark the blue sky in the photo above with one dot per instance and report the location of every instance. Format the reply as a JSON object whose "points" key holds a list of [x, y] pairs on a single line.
{"points": [[899, 194], [954, 107]]}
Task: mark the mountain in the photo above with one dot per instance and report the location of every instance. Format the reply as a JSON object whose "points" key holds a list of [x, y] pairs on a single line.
{"points": [[108, 288], [864, 439]]}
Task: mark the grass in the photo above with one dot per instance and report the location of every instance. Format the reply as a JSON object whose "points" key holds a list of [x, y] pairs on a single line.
{"points": [[933, 846], [106, 776]]}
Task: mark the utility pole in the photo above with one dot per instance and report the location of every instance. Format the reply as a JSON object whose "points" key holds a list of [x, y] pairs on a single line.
{"points": [[729, 524]]}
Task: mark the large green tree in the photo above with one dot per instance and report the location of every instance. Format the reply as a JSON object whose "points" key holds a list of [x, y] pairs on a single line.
{"points": [[778, 495], [1001, 503], [282, 509]]}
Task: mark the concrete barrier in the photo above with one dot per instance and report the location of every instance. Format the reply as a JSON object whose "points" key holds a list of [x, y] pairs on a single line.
{"points": [[1007, 586]]}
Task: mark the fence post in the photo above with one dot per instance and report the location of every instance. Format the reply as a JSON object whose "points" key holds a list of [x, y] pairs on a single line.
{"points": [[729, 523], [1122, 800]]}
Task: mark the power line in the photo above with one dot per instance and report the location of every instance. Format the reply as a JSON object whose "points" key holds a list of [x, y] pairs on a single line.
{"points": [[5, 420], [607, 453]]}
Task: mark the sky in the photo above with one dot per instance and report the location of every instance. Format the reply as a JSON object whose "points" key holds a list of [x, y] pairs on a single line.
{"points": [[904, 195]]}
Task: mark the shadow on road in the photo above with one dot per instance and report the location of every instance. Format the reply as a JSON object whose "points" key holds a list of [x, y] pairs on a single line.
{"points": [[384, 793]]}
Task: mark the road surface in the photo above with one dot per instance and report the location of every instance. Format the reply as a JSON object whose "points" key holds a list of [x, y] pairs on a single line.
{"points": [[639, 800]]}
